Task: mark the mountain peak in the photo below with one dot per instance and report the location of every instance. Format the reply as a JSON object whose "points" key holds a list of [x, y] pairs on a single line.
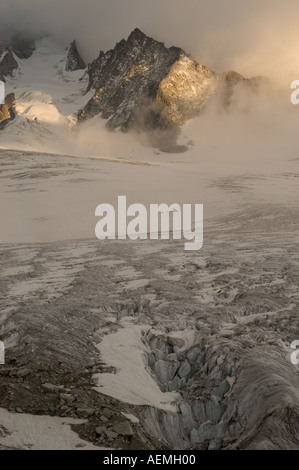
{"points": [[127, 77], [7, 62], [73, 60], [137, 34]]}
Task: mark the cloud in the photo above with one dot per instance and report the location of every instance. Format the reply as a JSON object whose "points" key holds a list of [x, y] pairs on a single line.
{"points": [[251, 36]]}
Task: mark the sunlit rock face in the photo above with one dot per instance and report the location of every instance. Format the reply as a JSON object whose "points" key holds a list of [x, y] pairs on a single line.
{"points": [[185, 89], [7, 62], [7, 112], [142, 84]]}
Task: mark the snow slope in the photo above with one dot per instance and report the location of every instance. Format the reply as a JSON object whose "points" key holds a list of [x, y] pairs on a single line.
{"points": [[28, 432], [124, 351], [46, 98]]}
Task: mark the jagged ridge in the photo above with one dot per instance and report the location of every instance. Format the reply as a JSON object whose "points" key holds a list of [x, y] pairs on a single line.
{"points": [[143, 84], [127, 78]]}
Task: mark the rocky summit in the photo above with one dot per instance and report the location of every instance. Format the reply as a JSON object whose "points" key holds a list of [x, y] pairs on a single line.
{"points": [[144, 85], [141, 85], [7, 62], [126, 80], [73, 60]]}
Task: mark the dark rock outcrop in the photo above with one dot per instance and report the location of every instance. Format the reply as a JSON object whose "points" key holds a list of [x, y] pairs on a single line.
{"points": [[73, 60], [22, 46], [7, 62]]}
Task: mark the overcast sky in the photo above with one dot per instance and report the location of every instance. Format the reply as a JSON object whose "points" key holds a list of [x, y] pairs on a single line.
{"points": [[250, 36]]}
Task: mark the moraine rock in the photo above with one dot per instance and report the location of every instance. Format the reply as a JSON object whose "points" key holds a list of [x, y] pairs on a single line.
{"points": [[111, 434], [123, 429], [100, 430], [85, 412], [23, 372], [51, 388], [73, 59]]}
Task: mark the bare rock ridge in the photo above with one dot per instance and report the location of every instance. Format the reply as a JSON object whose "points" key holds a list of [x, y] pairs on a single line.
{"points": [[7, 62], [126, 79], [73, 60], [144, 85]]}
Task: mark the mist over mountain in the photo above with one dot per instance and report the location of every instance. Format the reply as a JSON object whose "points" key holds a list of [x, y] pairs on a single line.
{"points": [[253, 37], [143, 84], [140, 85]]}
